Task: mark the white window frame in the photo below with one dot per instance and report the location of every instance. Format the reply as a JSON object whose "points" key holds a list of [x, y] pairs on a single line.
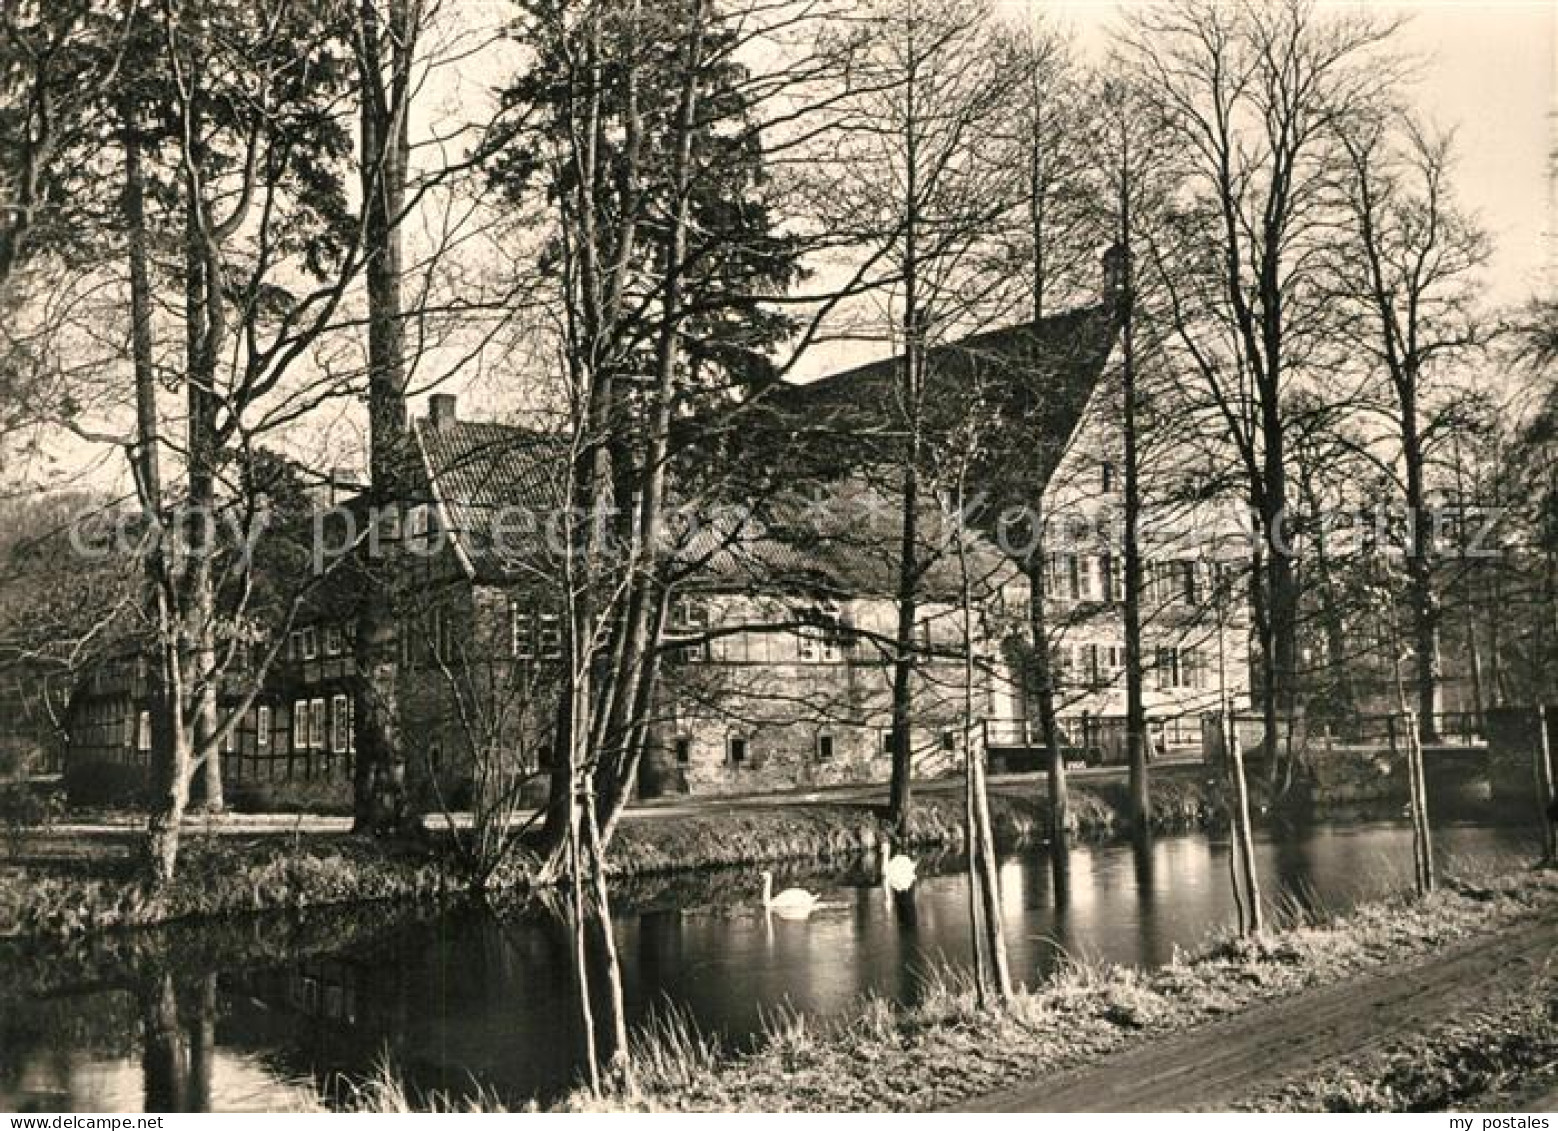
{"points": [[332, 640], [833, 746], [419, 528], [143, 731], [300, 724], [690, 617], [310, 644], [549, 636], [522, 633], [731, 742], [318, 723], [262, 728], [340, 724]]}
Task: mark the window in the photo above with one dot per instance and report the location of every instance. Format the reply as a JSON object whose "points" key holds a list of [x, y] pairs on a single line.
{"points": [[1191, 583], [887, 741], [1193, 668], [1106, 476], [683, 748], [340, 724], [131, 721], [522, 632], [1065, 577], [143, 731], [824, 748], [1092, 665], [549, 637], [691, 618], [821, 642], [419, 529], [736, 750], [949, 741], [262, 728], [332, 641], [535, 636], [310, 644], [1109, 572], [295, 645], [300, 724], [1095, 583], [316, 724]]}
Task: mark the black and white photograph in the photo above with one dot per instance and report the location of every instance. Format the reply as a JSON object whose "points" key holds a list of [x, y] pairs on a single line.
{"points": [[648, 556]]}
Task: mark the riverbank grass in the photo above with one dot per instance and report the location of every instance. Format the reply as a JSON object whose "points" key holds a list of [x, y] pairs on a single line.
{"points": [[89, 887], [944, 1049]]}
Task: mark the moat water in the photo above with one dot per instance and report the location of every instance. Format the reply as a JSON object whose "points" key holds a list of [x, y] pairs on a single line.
{"points": [[278, 1013]]}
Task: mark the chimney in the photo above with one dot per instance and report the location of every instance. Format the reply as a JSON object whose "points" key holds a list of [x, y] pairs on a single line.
{"points": [[1116, 268], [441, 409]]}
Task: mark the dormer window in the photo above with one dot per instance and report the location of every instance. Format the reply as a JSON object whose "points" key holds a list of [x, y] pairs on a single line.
{"points": [[421, 529], [690, 618]]}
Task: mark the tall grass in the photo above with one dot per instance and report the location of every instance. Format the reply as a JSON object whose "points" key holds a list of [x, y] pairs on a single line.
{"points": [[384, 1091]]}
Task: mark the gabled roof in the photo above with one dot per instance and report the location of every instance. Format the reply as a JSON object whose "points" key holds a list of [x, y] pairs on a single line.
{"points": [[1036, 378], [842, 542], [479, 472]]}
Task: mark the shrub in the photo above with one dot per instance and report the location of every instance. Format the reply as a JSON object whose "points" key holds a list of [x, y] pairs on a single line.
{"points": [[25, 809], [323, 796], [97, 783]]}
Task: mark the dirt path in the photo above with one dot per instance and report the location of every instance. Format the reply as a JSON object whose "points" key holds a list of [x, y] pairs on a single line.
{"points": [[1214, 1066]]}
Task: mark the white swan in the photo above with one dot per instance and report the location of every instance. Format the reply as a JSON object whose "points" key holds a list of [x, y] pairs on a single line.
{"points": [[898, 872], [791, 903]]}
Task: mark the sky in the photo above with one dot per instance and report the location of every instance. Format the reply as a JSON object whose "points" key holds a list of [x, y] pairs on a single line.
{"points": [[1490, 71]]}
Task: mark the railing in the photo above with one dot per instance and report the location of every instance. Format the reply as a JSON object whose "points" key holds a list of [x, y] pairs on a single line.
{"points": [[1097, 739], [1450, 728]]}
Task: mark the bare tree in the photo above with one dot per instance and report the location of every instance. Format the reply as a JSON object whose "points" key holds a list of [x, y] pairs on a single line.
{"points": [[909, 164], [1410, 268], [1254, 93]]}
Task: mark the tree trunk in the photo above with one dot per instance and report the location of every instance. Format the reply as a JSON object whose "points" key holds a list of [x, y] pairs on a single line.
{"points": [[147, 458], [907, 596], [1546, 779], [1420, 550], [1135, 664], [164, 1061], [1042, 693], [621, 1064], [1243, 837], [989, 881], [380, 803], [202, 1044], [899, 799], [164, 825]]}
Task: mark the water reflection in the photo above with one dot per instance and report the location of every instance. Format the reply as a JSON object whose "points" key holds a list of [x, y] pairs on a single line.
{"points": [[465, 997]]}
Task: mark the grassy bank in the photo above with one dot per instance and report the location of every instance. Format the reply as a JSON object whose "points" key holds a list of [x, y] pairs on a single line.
{"points": [[1181, 799], [1482, 1061], [226, 875], [217, 877], [944, 1050]]}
